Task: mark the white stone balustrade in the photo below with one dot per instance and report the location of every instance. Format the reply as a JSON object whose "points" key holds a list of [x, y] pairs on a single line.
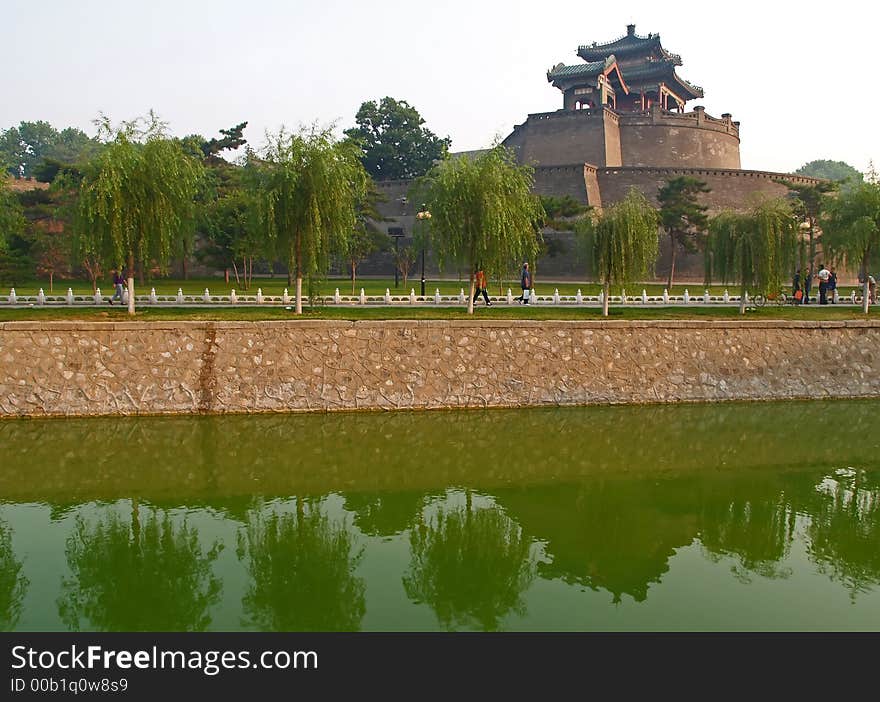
{"points": [[69, 296], [387, 296], [665, 296], [437, 296], [41, 297], [233, 298], [206, 296], [154, 298], [556, 296], [285, 297], [179, 297], [412, 296], [579, 298], [687, 296], [97, 296], [337, 298], [644, 296], [509, 296], [461, 298], [259, 296], [13, 298]]}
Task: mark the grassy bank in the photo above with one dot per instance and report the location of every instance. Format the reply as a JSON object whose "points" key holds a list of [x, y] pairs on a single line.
{"points": [[117, 314]]}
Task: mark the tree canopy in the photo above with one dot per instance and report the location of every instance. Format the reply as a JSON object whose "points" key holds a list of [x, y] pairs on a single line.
{"points": [[136, 197], [25, 147], [621, 243], [12, 220], [852, 229], [837, 171], [309, 186], [683, 218], [756, 248], [483, 212], [393, 140]]}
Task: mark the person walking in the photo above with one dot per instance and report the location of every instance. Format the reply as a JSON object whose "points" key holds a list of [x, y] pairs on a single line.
{"points": [[808, 283], [481, 286], [796, 287], [832, 286], [823, 275], [525, 282], [872, 289], [118, 284]]}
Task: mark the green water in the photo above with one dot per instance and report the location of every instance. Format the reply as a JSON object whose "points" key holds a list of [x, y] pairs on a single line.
{"points": [[728, 517]]}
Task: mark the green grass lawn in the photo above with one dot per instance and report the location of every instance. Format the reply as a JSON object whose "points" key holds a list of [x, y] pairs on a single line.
{"points": [[371, 286], [117, 314]]}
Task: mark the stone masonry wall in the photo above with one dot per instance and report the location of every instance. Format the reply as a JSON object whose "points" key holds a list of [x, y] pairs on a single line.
{"points": [[80, 368]]}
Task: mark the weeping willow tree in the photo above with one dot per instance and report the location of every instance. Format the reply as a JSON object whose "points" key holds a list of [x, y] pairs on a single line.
{"points": [[309, 189], [621, 243], [754, 248], [136, 197], [852, 230], [12, 220], [483, 212]]}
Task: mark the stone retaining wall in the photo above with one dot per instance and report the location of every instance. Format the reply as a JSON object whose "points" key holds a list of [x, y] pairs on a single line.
{"points": [[82, 368]]}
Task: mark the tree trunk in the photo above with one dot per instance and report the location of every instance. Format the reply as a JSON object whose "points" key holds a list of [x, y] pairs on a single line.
{"points": [[299, 280], [353, 269], [131, 283], [742, 300], [51, 281], [226, 275], [135, 521], [471, 296], [866, 300], [606, 290], [235, 269], [671, 263]]}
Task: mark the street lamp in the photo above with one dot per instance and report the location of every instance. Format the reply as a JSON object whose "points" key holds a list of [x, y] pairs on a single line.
{"points": [[396, 233], [423, 214]]}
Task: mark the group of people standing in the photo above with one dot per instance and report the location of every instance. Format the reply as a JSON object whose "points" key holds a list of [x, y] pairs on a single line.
{"points": [[481, 285], [801, 284]]}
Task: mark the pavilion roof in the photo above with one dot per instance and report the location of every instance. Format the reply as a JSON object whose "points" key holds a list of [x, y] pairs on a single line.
{"points": [[561, 73], [631, 43], [661, 71]]}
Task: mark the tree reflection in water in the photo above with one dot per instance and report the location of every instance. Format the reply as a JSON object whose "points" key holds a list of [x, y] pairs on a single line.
{"points": [[13, 583], [752, 522], [470, 565], [150, 575], [844, 528], [302, 571]]}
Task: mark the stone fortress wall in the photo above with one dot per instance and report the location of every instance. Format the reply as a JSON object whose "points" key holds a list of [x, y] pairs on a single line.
{"points": [[605, 138], [108, 368]]}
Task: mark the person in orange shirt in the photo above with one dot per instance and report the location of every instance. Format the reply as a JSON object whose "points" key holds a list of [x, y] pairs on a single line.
{"points": [[481, 285]]}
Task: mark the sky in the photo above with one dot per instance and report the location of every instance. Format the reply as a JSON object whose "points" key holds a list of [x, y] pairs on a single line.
{"points": [[801, 77]]}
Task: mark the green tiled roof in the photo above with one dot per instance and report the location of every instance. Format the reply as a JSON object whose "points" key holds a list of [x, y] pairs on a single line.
{"points": [[582, 69], [625, 45]]}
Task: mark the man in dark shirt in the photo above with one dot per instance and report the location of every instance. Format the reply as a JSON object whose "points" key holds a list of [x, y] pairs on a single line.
{"points": [[118, 283]]}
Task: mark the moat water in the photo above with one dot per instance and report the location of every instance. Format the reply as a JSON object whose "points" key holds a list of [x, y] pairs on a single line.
{"points": [[729, 517]]}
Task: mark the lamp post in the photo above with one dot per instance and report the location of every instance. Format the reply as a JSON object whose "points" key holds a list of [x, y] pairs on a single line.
{"points": [[423, 214], [396, 233]]}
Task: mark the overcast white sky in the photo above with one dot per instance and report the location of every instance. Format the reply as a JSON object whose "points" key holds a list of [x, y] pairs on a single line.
{"points": [[801, 77]]}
